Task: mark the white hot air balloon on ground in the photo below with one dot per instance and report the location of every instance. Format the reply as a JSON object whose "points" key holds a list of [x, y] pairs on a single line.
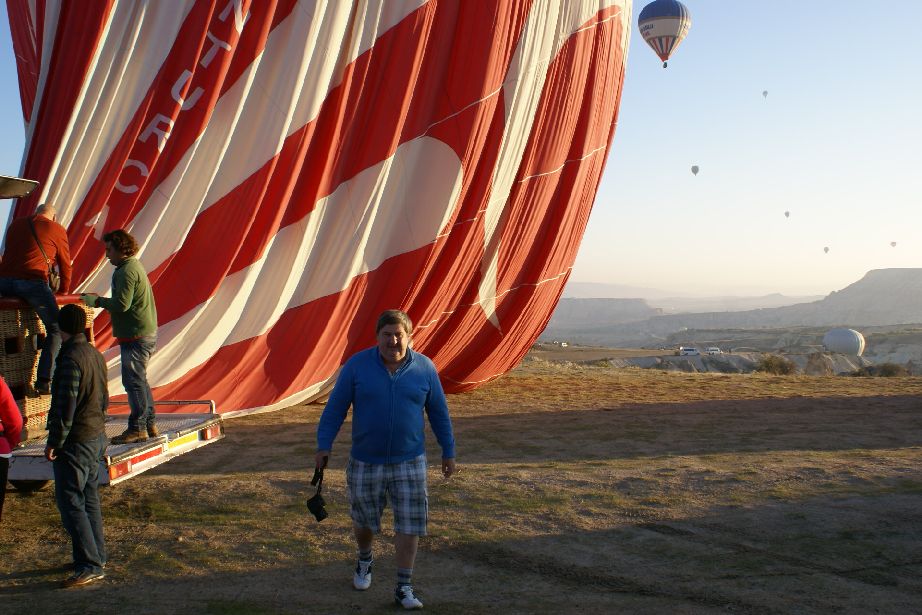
{"points": [[844, 341]]}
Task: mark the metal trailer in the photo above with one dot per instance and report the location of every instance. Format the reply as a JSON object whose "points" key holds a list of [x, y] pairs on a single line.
{"points": [[179, 433]]}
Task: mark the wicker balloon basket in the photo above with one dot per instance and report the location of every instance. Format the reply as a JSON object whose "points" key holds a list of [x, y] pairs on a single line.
{"points": [[22, 334]]}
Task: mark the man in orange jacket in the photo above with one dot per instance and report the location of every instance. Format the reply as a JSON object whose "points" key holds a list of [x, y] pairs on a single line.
{"points": [[27, 258]]}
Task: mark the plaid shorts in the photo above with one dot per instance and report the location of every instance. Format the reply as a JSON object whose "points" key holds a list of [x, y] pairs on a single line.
{"points": [[404, 484]]}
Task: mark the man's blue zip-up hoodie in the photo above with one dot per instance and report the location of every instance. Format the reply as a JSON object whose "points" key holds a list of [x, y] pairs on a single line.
{"points": [[387, 409]]}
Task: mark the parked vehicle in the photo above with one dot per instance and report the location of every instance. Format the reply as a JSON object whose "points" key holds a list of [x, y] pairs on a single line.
{"points": [[713, 350], [688, 351]]}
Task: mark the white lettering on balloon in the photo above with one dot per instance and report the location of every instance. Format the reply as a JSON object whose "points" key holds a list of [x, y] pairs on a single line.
{"points": [[131, 188], [161, 125]]}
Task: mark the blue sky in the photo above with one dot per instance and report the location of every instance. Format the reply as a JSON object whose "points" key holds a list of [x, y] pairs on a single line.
{"points": [[10, 109], [836, 143]]}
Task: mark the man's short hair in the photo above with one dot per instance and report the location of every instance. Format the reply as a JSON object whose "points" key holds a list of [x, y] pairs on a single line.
{"points": [[394, 317], [122, 241]]}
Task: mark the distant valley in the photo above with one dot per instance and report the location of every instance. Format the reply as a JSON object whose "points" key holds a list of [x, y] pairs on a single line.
{"points": [[885, 305]]}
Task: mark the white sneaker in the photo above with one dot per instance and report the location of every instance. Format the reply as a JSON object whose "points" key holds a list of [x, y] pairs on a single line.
{"points": [[403, 596], [361, 579]]}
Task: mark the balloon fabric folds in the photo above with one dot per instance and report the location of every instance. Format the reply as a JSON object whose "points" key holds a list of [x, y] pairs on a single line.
{"points": [[663, 25], [293, 168]]}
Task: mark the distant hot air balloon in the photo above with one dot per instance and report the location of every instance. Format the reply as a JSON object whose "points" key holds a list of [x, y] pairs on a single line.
{"points": [[846, 341], [764, 93], [787, 214], [892, 244], [663, 24], [695, 169], [826, 250]]}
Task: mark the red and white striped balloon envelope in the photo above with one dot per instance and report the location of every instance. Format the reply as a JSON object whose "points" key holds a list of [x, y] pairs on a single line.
{"points": [[292, 169]]}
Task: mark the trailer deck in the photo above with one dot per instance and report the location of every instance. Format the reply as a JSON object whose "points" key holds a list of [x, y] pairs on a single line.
{"points": [[179, 433], [21, 332]]}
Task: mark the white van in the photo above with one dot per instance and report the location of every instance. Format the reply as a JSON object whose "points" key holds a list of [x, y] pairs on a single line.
{"points": [[713, 350], [688, 351]]}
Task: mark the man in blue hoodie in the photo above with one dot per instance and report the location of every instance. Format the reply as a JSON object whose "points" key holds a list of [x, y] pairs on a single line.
{"points": [[388, 386]]}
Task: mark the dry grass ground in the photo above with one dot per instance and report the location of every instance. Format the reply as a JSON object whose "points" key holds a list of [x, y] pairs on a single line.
{"points": [[582, 489]]}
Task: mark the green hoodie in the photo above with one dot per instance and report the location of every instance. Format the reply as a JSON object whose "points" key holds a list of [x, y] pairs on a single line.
{"points": [[132, 307]]}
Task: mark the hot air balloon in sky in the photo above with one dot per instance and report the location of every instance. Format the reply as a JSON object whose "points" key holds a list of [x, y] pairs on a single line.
{"points": [[787, 214], [663, 24], [892, 244], [694, 169], [826, 250], [293, 168], [764, 93]]}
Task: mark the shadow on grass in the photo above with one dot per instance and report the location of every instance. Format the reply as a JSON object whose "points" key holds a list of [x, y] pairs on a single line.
{"points": [[827, 555], [36, 578], [580, 434], [694, 428]]}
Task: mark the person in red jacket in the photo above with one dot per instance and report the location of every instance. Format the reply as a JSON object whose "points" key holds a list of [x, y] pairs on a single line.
{"points": [[10, 430], [24, 274]]}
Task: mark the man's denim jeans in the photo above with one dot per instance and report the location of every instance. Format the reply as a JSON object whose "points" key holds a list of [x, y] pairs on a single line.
{"points": [[37, 294], [135, 356], [76, 489]]}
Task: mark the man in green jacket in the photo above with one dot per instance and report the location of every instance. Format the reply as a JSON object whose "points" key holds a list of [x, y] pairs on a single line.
{"points": [[134, 325]]}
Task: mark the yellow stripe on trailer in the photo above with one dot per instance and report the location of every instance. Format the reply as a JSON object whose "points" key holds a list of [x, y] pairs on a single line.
{"points": [[186, 439]]}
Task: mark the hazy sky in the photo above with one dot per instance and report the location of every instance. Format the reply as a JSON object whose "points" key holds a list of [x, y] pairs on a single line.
{"points": [[836, 142]]}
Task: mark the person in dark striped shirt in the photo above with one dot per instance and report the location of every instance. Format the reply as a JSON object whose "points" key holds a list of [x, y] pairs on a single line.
{"points": [[77, 442]]}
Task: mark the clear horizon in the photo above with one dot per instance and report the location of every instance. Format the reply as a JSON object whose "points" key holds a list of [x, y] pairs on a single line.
{"points": [[701, 292], [705, 291], [834, 143]]}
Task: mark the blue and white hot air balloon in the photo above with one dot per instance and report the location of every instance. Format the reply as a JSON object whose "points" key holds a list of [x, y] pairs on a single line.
{"points": [[663, 24]]}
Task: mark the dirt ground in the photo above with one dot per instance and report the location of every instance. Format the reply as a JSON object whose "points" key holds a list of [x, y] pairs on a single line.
{"points": [[582, 490]]}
